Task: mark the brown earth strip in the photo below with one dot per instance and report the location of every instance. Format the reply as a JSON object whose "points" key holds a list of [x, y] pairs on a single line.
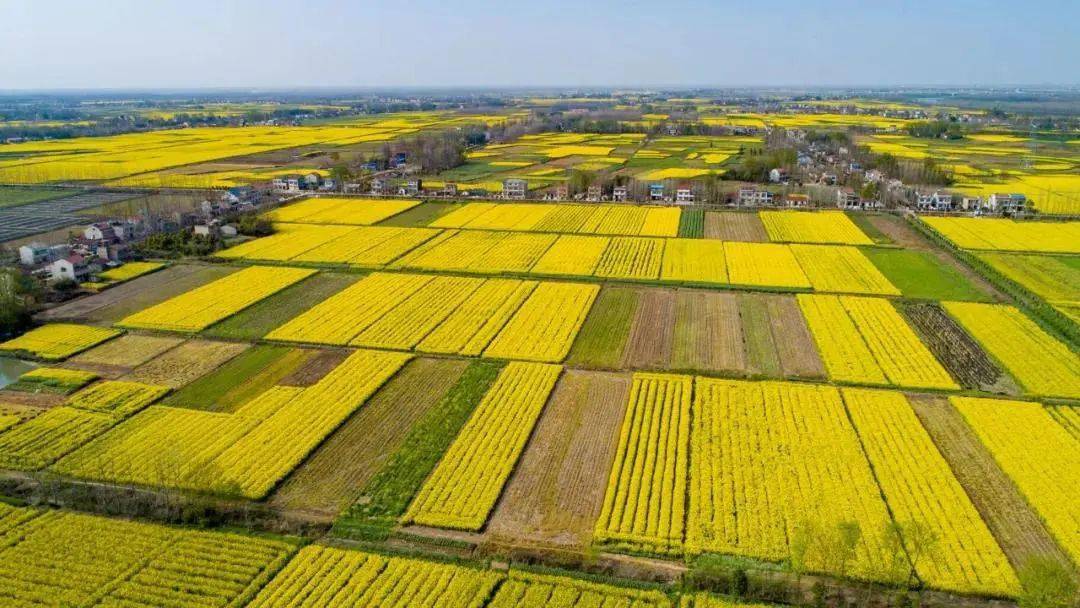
{"points": [[109, 372], [652, 331], [732, 226], [762, 356], [902, 234], [186, 362], [331, 478], [1019, 531], [118, 302], [708, 332], [316, 367], [794, 343], [557, 491], [958, 351], [31, 400]]}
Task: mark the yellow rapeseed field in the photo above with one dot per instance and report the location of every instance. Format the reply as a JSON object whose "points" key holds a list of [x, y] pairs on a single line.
{"points": [[920, 489], [763, 265], [545, 326], [202, 307], [58, 340], [1038, 454], [865, 340], [812, 227], [631, 258], [1042, 364], [1008, 235], [337, 578], [774, 462], [348, 211], [572, 255], [840, 269], [644, 506], [694, 261], [469, 329]]}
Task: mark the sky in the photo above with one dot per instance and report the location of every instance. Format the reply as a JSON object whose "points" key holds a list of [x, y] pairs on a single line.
{"points": [[78, 44]]}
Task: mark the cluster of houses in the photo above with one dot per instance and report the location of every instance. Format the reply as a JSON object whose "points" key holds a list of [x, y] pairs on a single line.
{"points": [[306, 182], [101, 245], [106, 244], [998, 203]]}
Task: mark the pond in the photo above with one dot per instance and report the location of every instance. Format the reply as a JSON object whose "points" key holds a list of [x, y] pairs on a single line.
{"points": [[11, 369]]}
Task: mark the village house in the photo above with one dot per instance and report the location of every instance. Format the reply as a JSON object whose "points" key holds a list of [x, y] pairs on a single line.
{"points": [[797, 201], [594, 193], [619, 194], [846, 198], [411, 187], [779, 175], [934, 201], [1008, 204], [753, 197], [74, 267], [684, 195], [450, 189], [515, 189], [971, 203], [656, 192]]}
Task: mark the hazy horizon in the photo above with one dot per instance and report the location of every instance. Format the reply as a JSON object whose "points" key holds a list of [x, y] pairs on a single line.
{"points": [[481, 44]]}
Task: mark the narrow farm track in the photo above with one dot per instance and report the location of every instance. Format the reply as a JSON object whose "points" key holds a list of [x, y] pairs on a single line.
{"points": [[331, 477], [555, 496], [1019, 531]]}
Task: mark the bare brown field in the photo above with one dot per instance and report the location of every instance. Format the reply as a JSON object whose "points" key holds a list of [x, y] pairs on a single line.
{"points": [[118, 302], [1017, 528], [958, 351], [652, 332], [762, 355], [794, 343], [186, 362], [732, 226], [315, 368], [126, 352], [18, 400], [708, 333], [330, 479], [556, 494]]}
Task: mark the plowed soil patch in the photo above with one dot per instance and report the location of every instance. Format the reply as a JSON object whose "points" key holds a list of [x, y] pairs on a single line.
{"points": [[652, 332], [708, 332]]}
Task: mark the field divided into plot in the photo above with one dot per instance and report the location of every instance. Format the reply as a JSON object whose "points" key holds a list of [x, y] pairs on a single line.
{"points": [[52, 558], [774, 468], [867, 341], [202, 307], [244, 453], [815, 227], [33, 442], [464, 487], [500, 318], [1039, 454]]}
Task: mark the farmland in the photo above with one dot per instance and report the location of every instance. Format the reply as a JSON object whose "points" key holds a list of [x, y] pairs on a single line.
{"points": [[557, 383]]}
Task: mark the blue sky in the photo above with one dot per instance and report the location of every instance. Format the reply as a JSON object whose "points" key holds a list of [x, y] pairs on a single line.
{"points": [[271, 43]]}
